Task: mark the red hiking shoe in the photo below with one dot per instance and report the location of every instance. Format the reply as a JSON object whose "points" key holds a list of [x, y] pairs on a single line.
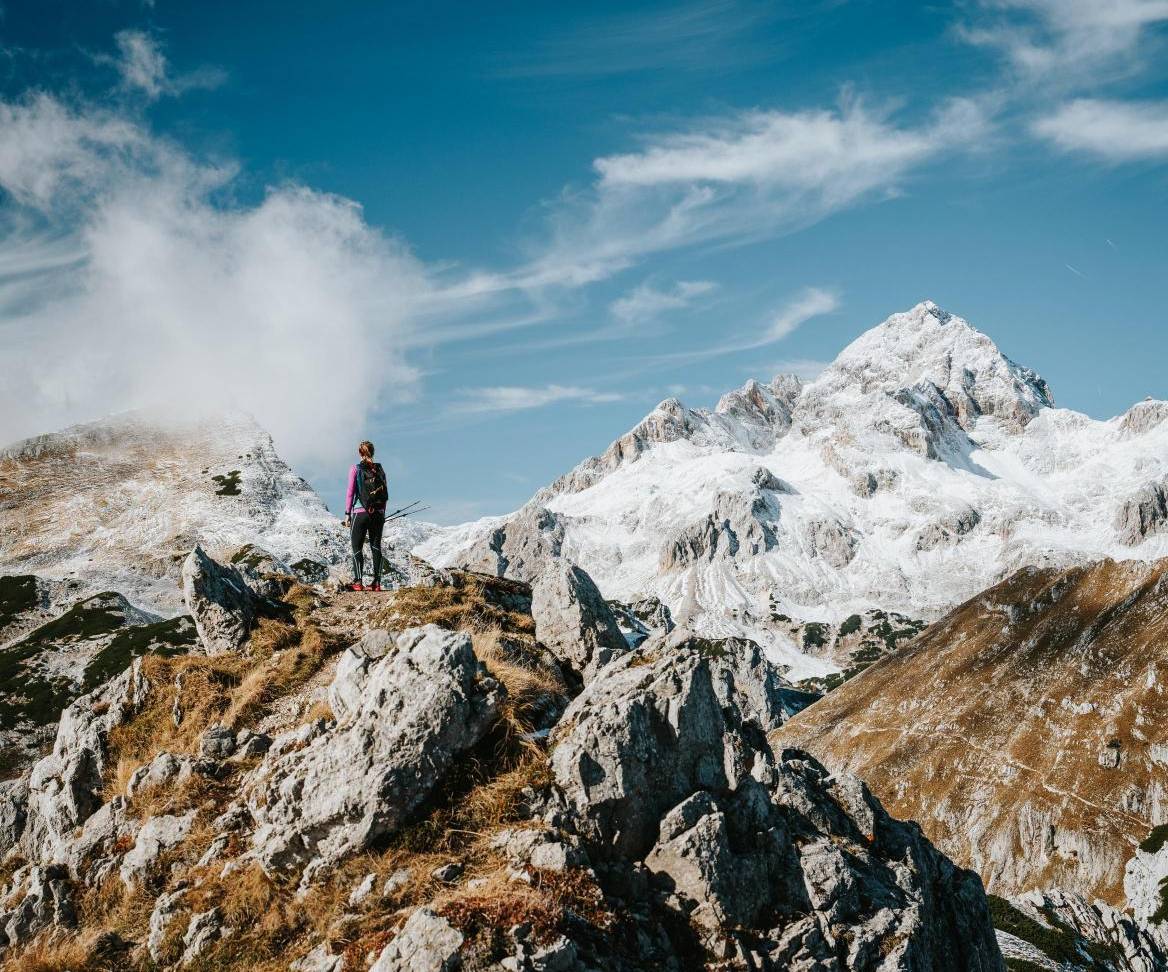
{"points": [[376, 587], [358, 586]]}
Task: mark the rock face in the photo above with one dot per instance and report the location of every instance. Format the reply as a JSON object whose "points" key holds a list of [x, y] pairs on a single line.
{"points": [[519, 548], [1019, 729], [407, 707], [220, 601], [1143, 514], [426, 943], [665, 769], [65, 787], [1145, 875], [573, 621]]}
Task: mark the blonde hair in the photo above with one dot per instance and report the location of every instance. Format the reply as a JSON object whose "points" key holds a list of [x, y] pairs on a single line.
{"points": [[366, 449]]}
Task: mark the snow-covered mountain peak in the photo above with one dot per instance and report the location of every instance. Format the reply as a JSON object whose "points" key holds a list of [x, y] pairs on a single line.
{"points": [[928, 352], [920, 467], [117, 504]]}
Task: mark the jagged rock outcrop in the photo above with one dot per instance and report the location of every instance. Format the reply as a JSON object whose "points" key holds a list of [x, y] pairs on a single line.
{"points": [[741, 526], [948, 529], [663, 764], [1143, 514], [407, 707], [573, 621], [220, 601], [519, 548], [65, 787], [46, 901], [644, 618], [1018, 729]]}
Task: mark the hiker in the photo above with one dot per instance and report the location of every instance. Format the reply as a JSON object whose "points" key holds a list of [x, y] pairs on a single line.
{"points": [[365, 513]]}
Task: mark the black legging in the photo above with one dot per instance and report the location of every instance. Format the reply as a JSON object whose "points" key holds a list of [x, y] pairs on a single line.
{"points": [[371, 524]]}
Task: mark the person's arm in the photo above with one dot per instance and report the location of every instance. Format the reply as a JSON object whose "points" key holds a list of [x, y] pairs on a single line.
{"points": [[351, 494]]}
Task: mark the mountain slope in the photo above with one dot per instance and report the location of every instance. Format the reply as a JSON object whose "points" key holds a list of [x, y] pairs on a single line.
{"points": [[920, 467], [1024, 730], [117, 504]]}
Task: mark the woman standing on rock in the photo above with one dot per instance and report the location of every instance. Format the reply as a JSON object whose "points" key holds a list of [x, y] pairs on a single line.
{"points": [[365, 502]]}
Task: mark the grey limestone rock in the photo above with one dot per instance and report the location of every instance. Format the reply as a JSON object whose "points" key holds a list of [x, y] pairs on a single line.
{"points": [[426, 943], [411, 713], [573, 621], [220, 601]]}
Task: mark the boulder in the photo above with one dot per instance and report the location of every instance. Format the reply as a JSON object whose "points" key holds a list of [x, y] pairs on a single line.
{"points": [[415, 709], [158, 834], [167, 907], [220, 601], [204, 929], [664, 767], [573, 621], [426, 943], [659, 724]]}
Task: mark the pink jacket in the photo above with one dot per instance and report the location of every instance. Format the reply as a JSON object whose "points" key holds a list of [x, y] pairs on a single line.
{"points": [[351, 498]]}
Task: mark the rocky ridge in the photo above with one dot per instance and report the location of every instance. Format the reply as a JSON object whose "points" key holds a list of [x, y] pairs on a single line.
{"points": [[919, 468], [412, 785]]}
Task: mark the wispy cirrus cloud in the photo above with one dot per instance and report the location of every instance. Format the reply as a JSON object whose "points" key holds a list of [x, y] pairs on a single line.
{"points": [[518, 398], [647, 302], [1114, 131], [808, 304], [699, 35], [740, 177], [144, 68]]}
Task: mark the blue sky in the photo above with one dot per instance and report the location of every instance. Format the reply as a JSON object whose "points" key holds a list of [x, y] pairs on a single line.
{"points": [[490, 237]]}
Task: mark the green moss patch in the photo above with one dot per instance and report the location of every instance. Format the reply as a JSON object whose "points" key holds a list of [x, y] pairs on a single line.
{"points": [[1059, 942], [1155, 840], [31, 696], [175, 636], [228, 484]]}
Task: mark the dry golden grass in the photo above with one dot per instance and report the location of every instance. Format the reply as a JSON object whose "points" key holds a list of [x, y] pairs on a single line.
{"points": [[234, 690], [486, 791], [464, 605]]}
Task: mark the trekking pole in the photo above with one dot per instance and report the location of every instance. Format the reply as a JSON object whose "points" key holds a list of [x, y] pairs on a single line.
{"points": [[402, 514], [405, 510]]}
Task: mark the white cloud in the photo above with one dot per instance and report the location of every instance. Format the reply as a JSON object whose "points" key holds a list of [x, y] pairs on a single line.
{"points": [[512, 398], [143, 67], [811, 303], [731, 179], [646, 302], [128, 282], [1068, 40], [1117, 131]]}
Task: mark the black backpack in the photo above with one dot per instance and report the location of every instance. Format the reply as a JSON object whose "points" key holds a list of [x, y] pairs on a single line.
{"points": [[372, 488]]}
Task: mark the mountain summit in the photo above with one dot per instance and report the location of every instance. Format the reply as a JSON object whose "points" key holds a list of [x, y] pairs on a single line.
{"points": [[920, 467]]}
